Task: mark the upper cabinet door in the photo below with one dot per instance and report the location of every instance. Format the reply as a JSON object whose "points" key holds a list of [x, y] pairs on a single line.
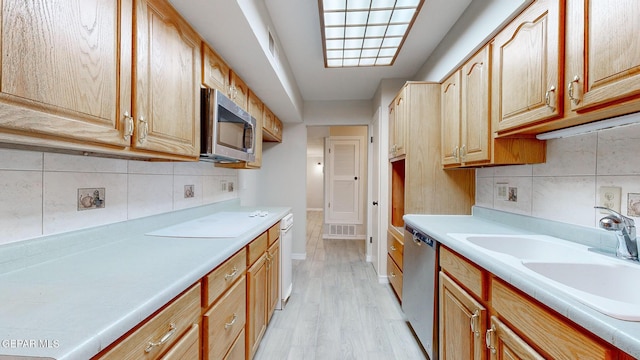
{"points": [[60, 64], [239, 91], [611, 68], [167, 88], [215, 72], [475, 117], [527, 63], [450, 109]]}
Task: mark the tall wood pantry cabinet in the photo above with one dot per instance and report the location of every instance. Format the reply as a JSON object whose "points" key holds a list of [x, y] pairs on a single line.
{"points": [[419, 185]]}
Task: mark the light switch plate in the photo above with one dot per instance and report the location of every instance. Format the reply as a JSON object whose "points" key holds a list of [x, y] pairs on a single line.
{"points": [[609, 196]]}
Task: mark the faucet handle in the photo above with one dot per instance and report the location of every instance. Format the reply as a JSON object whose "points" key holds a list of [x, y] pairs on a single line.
{"points": [[626, 220]]}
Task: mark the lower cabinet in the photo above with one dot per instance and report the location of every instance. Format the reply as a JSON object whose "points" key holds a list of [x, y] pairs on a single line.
{"points": [[165, 335], [273, 278], [395, 260], [222, 316], [256, 304], [475, 307], [225, 321], [186, 348]]}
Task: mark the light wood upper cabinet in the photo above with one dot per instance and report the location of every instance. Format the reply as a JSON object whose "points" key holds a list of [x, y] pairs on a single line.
{"points": [[272, 127], [66, 69], [398, 125], [215, 72], [256, 109], [167, 88], [450, 110], [527, 67], [475, 116], [238, 91], [610, 72]]}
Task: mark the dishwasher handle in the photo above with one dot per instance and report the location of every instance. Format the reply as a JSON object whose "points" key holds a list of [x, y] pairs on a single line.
{"points": [[419, 237]]}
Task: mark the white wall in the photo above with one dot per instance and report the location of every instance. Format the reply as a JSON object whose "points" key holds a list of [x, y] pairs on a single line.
{"points": [[315, 180], [327, 113], [565, 188], [39, 191], [282, 179], [476, 25]]}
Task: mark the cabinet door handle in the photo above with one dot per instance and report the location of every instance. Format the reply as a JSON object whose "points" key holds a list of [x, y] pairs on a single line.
{"points": [[393, 275], [128, 126], [163, 339], [547, 97], [474, 318], [576, 80], [488, 339], [232, 274], [456, 153], [393, 248], [463, 152], [144, 130], [233, 321]]}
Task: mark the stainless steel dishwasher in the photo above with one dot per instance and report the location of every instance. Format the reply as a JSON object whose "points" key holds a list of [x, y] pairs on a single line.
{"points": [[419, 288]]}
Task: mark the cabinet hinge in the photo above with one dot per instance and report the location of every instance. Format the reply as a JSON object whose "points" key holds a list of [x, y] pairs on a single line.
{"points": [[372, 139], [370, 239]]}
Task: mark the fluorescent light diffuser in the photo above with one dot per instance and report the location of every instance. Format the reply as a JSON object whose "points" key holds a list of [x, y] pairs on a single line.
{"points": [[365, 32]]}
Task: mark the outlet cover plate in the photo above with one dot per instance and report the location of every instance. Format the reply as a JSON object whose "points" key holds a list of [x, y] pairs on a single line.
{"points": [[609, 196]]}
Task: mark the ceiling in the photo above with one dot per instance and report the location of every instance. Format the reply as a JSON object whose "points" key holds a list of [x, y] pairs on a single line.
{"points": [[238, 30]]}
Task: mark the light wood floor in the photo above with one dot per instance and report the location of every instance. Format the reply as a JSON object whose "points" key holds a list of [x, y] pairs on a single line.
{"points": [[337, 310]]}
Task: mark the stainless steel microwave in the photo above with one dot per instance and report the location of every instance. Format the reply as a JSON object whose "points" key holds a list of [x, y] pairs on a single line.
{"points": [[228, 132]]}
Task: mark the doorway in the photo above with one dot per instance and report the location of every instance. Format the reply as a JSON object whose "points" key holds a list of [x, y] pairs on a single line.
{"points": [[337, 179]]}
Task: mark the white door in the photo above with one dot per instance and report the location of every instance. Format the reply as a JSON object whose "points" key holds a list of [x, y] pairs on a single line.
{"points": [[344, 202], [373, 222]]}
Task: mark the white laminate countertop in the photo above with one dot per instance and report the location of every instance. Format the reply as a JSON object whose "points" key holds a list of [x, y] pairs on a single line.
{"points": [[624, 335], [73, 306]]}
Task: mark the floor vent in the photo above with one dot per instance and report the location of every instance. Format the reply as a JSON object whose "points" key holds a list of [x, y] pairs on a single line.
{"points": [[340, 230]]}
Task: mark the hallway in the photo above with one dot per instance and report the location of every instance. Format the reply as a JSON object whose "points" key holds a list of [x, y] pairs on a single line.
{"points": [[338, 310]]}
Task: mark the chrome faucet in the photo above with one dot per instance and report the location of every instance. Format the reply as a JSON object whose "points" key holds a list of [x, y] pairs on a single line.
{"points": [[625, 229]]}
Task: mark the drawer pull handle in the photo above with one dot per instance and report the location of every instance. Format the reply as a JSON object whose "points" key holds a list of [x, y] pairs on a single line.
{"points": [[233, 273], [233, 321], [163, 340]]}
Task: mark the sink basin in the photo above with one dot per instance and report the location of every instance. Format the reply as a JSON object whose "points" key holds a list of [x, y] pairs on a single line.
{"points": [[609, 287], [530, 247], [605, 284], [606, 280]]}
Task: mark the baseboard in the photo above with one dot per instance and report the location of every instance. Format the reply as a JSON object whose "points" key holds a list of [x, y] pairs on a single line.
{"points": [[298, 256], [369, 258], [383, 279], [315, 209]]}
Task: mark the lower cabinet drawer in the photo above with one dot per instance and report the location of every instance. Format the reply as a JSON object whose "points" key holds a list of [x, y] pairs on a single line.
{"points": [[188, 347], [224, 321], [161, 331], [396, 249], [551, 333], [237, 350], [395, 276]]}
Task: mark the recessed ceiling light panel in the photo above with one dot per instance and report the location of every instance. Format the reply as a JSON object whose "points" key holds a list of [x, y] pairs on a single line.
{"points": [[365, 32]]}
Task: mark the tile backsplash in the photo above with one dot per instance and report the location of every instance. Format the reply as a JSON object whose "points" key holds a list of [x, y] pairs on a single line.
{"points": [[565, 188], [39, 191]]}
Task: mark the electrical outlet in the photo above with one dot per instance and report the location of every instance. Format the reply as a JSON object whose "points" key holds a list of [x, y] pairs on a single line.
{"points": [[609, 196], [502, 191], [91, 198], [230, 186], [188, 191], [513, 194], [223, 185]]}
